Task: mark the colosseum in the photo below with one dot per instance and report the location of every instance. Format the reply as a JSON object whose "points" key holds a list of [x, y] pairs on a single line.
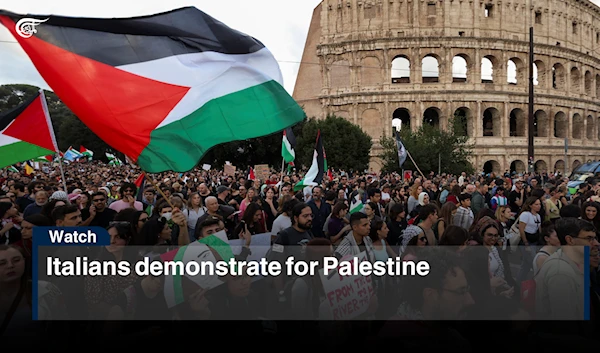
{"points": [[425, 61]]}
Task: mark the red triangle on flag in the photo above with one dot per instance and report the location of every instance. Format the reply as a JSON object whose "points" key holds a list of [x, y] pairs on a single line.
{"points": [[119, 107], [32, 126]]}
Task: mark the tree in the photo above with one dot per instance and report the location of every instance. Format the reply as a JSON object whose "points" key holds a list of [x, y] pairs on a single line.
{"points": [[68, 129], [430, 145], [347, 147]]}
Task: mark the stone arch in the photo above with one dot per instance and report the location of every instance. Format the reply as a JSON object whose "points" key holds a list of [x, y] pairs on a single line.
{"points": [[539, 73], [575, 76], [401, 69], [560, 166], [430, 68], [465, 116], [515, 71], [403, 115], [540, 166], [371, 123], [492, 166], [558, 76], [590, 128], [370, 71], [518, 123], [491, 122], [577, 126], [460, 68], [343, 114], [561, 125], [588, 83], [517, 166], [432, 116], [339, 74], [541, 124], [489, 65], [576, 163]]}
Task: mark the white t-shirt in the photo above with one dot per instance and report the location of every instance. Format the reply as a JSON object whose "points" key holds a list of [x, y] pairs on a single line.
{"points": [[280, 223], [532, 222]]}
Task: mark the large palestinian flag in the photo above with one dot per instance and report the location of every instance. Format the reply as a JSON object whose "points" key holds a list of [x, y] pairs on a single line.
{"points": [[26, 132], [162, 89]]}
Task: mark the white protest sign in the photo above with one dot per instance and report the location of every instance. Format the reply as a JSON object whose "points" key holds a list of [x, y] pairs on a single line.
{"points": [[347, 296], [259, 245], [206, 166]]}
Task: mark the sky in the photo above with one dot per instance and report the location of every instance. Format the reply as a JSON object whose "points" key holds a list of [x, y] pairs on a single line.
{"points": [[281, 25]]}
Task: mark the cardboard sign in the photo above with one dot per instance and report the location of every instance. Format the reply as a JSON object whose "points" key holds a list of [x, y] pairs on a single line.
{"points": [[407, 174], [347, 296], [262, 172], [229, 169]]}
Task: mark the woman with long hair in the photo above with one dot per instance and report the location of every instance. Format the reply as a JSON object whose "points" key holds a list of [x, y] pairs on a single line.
{"points": [[338, 226], [270, 205], [590, 211], [445, 219], [284, 220], [549, 243], [250, 194], [378, 234], [193, 211], [454, 194], [413, 199], [455, 236], [529, 229], [101, 291], [16, 291], [252, 219], [397, 224]]}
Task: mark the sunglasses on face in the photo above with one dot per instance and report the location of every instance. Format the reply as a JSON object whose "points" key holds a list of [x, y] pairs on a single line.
{"points": [[98, 200]]}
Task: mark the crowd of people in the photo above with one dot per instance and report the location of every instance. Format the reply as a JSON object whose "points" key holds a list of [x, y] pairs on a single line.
{"points": [[510, 247]]}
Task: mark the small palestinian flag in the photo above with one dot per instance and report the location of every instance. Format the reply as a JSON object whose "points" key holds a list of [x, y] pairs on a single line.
{"points": [[162, 89], [356, 205], [86, 153], [314, 176], [175, 288], [287, 145], [12, 169], [26, 132], [113, 160]]}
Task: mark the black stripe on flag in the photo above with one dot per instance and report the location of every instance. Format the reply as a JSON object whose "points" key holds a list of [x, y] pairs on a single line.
{"points": [[8, 117], [320, 159], [289, 134], [122, 41]]}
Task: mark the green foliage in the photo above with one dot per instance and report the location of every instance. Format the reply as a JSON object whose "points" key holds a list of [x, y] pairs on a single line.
{"points": [[428, 145], [347, 147], [260, 150], [69, 130]]}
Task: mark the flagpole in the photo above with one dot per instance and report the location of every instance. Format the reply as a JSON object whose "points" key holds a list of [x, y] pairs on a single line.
{"points": [[51, 129], [158, 189], [416, 166]]}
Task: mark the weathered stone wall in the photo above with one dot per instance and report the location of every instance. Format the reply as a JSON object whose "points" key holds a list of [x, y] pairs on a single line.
{"points": [[426, 61]]}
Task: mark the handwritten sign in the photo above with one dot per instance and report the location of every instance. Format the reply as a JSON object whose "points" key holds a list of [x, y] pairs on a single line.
{"points": [[229, 169], [347, 296], [262, 171]]}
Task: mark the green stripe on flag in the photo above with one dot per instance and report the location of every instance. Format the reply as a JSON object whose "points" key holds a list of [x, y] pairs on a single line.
{"points": [[253, 112], [177, 285], [19, 152]]}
